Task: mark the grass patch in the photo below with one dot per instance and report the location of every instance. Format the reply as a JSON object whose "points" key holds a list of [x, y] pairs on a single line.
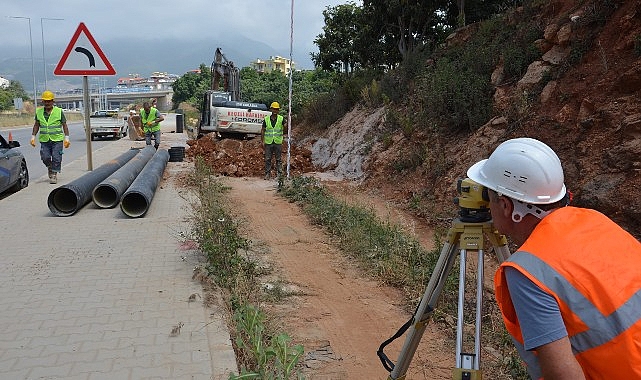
{"points": [[10, 119]]}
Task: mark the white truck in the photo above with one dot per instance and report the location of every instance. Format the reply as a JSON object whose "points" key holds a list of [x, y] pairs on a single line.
{"points": [[107, 123], [222, 112], [228, 117]]}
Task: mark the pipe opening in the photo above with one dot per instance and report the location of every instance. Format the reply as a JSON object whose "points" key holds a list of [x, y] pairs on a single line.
{"points": [[134, 204], [63, 201], [105, 196]]}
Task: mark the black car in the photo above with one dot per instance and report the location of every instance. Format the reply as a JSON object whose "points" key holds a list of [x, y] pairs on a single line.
{"points": [[14, 175]]}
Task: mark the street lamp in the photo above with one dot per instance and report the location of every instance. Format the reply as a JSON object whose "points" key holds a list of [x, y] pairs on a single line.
{"points": [[42, 32], [33, 72]]}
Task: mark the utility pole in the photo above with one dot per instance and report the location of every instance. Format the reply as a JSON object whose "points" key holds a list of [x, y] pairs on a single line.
{"points": [[33, 72], [42, 32]]}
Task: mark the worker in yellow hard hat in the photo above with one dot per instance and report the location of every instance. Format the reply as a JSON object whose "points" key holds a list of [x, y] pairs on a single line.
{"points": [[50, 121], [271, 134], [151, 118]]}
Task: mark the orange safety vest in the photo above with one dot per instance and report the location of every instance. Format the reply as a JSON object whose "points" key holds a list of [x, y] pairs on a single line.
{"points": [[592, 267]]}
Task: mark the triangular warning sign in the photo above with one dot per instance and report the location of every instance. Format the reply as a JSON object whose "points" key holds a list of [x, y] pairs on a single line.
{"points": [[83, 56]]}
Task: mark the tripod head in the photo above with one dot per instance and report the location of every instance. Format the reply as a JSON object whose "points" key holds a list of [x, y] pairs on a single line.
{"points": [[473, 201]]}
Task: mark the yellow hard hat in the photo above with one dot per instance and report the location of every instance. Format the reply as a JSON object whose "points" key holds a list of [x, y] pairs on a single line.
{"points": [[275, 105], [47, 95]]}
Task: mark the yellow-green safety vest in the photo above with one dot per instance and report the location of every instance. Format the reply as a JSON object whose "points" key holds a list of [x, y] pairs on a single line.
{"points": [[153, 113], [51, 128], [273, 134]]}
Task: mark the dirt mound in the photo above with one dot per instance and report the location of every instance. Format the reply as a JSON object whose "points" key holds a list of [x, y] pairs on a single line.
{"points": [[244, 158]]}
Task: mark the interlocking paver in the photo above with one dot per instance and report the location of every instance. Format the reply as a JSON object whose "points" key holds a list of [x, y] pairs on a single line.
{"points": [[96, 295]]}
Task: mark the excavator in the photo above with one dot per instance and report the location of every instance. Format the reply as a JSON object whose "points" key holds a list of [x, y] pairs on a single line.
{"points": [[222, 112]]}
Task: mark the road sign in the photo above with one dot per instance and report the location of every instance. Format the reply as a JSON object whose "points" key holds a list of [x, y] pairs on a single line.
{"points": [[83, 56]]}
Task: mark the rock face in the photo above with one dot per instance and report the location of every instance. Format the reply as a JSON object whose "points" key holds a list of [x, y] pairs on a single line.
{"points": [[346, 147]]}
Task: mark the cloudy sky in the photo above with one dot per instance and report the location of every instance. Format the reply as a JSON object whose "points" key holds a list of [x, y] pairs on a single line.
{"points": [[141, 20]]}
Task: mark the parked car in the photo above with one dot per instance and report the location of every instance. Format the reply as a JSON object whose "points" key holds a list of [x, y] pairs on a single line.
{"points": [[14, 174]]}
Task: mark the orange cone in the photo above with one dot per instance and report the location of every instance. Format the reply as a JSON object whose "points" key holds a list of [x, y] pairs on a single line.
{"points": [[10, 137]]}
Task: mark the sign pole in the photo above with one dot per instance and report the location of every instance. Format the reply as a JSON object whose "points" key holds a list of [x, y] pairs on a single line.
{"points": [[87, 109]]}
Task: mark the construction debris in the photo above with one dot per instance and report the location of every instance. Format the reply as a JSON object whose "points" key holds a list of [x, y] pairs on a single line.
{"points": [[244, 158]]}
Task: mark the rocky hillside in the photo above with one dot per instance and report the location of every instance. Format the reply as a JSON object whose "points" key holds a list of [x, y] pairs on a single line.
{"points": [[589, 114]]}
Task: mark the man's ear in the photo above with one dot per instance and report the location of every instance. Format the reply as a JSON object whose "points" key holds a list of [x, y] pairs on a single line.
{"points": [[506, 207]]}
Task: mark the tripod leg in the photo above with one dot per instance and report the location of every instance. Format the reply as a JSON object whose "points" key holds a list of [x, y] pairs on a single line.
{"points": [[468, 364], [424, 311]]}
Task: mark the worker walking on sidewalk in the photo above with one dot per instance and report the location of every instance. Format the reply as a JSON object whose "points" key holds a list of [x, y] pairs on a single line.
{"points": [[571, 294], [271, 134], [51, 123], [150, 119]]}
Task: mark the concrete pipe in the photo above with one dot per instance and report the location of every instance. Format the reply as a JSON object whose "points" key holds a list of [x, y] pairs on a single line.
{"points": [[108, 192], [67, 199], [136, 200]]}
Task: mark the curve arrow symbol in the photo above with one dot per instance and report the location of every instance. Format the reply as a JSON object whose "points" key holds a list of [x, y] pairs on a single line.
{"points": [[92, 60]]}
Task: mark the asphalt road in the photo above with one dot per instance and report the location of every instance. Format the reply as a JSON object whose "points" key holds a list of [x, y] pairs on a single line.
{"points": [[77, 149]]}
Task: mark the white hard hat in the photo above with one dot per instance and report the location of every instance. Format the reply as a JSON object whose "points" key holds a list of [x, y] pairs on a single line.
{"points": [[524, 169]]}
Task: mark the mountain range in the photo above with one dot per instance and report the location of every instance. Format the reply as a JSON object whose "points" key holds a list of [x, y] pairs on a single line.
{"points": [[168, 55]]}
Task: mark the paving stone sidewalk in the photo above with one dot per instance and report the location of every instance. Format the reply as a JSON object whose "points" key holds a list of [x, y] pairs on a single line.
{"points": [[99, 295]]}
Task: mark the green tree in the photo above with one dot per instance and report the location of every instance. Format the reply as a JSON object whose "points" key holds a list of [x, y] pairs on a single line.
{"points": [[337, 42], [409, 24], [191, 86], [14, 90]]}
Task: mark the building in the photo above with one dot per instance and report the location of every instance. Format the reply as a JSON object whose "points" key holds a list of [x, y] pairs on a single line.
{"points": [[4, 83], [276, 63], [156, 81]]}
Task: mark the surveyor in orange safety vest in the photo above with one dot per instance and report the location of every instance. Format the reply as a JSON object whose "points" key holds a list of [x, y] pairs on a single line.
{"points": [[571, 294]]}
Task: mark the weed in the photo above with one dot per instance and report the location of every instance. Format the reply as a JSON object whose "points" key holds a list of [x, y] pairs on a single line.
{"points": [[273, 358], [372, 95]]}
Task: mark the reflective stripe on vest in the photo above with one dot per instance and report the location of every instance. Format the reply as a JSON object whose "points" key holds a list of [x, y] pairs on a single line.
{"points": [[590, 266], [601, 328], [51, 128], [144, 118], [273, 134]]}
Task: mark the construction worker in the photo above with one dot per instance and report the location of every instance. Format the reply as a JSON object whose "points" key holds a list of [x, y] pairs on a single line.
{"points": [[50, 121], [150, 119], [571, 294], [271, 134]]}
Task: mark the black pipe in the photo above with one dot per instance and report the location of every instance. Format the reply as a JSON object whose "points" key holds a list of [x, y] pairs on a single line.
{"points": [[67, 199], [136, 200], [108, 192]]}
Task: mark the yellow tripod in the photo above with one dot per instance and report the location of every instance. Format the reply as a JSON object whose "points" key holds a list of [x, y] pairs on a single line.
{"points": [[467, 234]]}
